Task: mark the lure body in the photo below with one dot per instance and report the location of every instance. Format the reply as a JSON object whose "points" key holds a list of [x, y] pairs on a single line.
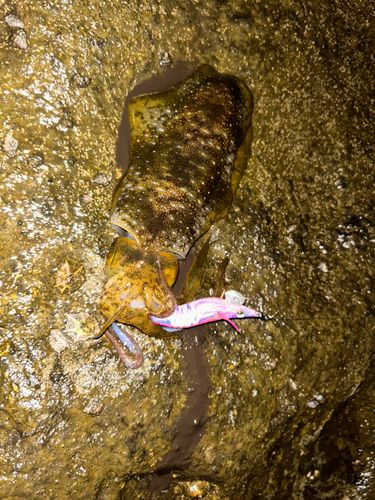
{"points": [[207, 310]]}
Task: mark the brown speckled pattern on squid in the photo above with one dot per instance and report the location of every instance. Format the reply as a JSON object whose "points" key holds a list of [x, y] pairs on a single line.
{"points": [[182, 170]]}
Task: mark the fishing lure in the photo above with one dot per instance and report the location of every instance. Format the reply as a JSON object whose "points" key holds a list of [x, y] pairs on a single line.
{"points": [[207, 310], [195, 313]]}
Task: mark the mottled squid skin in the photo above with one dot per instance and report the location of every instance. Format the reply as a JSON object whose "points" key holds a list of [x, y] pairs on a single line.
{"points": [[189, 147]]}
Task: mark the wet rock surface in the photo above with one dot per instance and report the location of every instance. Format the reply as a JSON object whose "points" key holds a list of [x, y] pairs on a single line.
{"points": [[300, 235]]}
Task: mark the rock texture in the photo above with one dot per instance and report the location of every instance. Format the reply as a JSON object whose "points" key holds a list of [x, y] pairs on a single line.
{"points": [[227, 415]]}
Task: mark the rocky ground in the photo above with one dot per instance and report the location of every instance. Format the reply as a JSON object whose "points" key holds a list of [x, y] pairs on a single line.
{"points": [[285, 408]]}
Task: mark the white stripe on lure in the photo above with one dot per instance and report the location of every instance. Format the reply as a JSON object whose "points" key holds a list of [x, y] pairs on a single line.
{"points": [[201, 311]]}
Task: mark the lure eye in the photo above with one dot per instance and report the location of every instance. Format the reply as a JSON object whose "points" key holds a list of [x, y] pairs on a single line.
{"points": [[240, 314]]}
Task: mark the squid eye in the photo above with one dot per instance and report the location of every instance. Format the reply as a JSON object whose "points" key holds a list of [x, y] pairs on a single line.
{"points": [[240, 314]]}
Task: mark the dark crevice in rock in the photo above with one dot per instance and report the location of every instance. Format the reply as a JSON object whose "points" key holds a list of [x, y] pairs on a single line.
{"points": [[190, 426]]}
